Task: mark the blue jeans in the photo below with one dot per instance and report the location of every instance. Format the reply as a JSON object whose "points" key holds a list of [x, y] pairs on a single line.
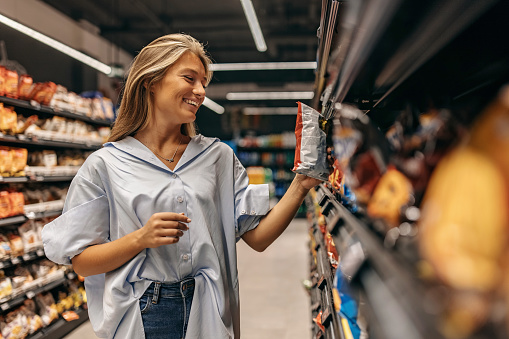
{"points": [[165, 309]]}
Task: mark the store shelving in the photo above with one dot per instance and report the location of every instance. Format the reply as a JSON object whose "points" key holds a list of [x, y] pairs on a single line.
{"points": [[60, 327], [35, 107], [387, 56], [35, 177]]}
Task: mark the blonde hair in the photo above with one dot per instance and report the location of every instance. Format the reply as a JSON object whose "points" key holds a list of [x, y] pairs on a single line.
{"points": [[147, 69]]}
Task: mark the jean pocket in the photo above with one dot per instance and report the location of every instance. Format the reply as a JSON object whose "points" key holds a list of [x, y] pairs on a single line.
{"points": [[145, 303]]}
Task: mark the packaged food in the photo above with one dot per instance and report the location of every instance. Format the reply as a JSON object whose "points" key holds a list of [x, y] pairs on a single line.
{"points": [[5, 247], [5, 204], [10, 84], [311, 150], [8, 120], [362, 151], [19, 161], [17, 202], [17, 247], [25, 86], [2, 80], [463, 233], [392, 192], [23, 123]]}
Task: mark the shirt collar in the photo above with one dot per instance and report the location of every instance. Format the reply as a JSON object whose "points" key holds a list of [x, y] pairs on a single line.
{"points": [[132, 146]]}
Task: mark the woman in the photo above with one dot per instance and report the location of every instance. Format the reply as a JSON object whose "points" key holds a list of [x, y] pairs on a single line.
{"points": [[151, 219]]}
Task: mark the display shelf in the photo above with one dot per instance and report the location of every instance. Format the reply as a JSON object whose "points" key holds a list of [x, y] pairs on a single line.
{"points": [[32, 255], [36, 178], [19, 219], [399, 48], [22, 139], [385, 279], [39, 287], [36, 108], [60, 328]]}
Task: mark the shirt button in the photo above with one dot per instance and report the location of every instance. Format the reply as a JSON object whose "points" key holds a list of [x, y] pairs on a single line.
{"points": [[243, 212], [185, 257], [180, 199], [174, 176], [253, 212]]}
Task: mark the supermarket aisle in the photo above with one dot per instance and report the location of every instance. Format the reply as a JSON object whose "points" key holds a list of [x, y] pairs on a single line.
{"points": [[274, 305]]}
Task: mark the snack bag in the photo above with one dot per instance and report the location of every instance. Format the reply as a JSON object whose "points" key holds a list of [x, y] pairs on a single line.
{"points": [[311, 151], [25, 86]]}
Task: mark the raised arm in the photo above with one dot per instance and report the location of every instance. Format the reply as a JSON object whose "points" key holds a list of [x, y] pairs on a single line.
{"points": [[277, 220], [161, 229]]}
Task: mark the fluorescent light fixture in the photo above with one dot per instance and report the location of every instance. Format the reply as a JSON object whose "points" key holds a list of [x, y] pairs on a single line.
{"points": [[57, 45], [269, 95], [254, 26], [269, 110], [259, 66], [213, 106]]}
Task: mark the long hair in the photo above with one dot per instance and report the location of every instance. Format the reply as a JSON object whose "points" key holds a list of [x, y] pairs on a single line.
{"points": [[147, 69]]}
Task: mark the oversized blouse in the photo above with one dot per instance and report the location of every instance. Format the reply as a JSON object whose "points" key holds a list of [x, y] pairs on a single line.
{"points": [[116, 191]]}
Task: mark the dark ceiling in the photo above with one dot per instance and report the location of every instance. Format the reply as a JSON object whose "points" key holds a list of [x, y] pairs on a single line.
{"points": [[289, 27]]}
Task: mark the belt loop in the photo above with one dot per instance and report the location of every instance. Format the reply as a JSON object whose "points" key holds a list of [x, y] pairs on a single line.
{"points": [[155, 296]]}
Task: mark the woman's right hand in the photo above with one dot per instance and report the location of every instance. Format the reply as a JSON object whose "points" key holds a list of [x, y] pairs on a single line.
{"points": [[163, 228]]}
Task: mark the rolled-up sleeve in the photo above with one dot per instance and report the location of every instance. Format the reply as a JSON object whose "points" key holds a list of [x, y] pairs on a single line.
{"points": [[251, 201], [84, 222]]}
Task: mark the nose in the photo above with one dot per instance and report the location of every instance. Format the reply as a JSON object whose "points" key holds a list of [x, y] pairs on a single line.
{"points": [[199, 90]]}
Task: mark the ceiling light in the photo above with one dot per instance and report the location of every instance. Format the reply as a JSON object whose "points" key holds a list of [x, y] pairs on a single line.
{"points": [[213, 106], [57, 45], [270, 110], [269, 95], [254, 26], [257, 66]]}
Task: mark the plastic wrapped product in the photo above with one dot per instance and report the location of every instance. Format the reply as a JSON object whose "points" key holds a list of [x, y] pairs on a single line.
{"points": [[311, 150]]}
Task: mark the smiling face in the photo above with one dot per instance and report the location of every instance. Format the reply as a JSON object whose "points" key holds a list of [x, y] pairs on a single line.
{"points": [[181, 92]]}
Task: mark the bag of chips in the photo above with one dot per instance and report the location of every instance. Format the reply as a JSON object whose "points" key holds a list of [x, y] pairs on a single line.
{"points": [[311, 150]]}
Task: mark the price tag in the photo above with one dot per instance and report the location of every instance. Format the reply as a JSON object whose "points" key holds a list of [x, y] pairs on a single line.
{"points": [[30, 294], [15, 260], [26, 257], [2, 264], [71, 275], [4, 306], [40, 252]]}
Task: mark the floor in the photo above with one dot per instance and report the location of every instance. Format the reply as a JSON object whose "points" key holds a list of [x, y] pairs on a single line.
{"points": [[274, 303]]}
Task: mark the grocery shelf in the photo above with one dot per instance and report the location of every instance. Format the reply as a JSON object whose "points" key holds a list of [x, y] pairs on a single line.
{"points": [[36, 107], [60, 327], [36, 254], [19, 219], [22, 139], [265, 149], [385, 279], [18, 300], [36, 178]]}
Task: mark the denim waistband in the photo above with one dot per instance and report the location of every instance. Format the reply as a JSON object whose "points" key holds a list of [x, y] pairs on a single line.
{"points": [[184, 288]]}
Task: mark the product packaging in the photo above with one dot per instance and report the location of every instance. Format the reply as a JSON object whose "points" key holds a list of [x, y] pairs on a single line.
{"points": [[311, 150]]}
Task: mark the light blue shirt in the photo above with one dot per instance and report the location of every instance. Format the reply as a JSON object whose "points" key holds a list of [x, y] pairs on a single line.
{"points": [[116, 191]]}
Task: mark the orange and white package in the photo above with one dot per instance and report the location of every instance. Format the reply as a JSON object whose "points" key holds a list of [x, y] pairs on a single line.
{"points": [[17, 202], [5, 204], [11, 84], [19, 161], [392, 192], [25, 86], [8, 119], [5, 161]]}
